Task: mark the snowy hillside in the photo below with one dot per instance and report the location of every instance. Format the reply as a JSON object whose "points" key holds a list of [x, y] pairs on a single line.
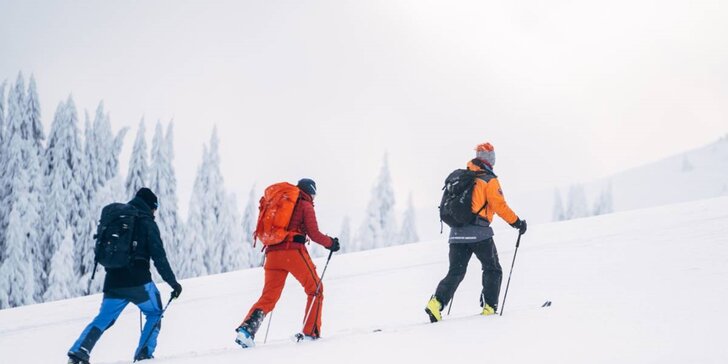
{"points": [[696, 174], [645, 286]]}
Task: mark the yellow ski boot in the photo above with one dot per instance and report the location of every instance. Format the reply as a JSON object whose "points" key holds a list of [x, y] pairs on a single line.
{"points": [[433, 309], [487, 310]]}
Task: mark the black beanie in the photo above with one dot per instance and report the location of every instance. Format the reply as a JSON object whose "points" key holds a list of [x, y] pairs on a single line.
{"points": [[148, 197], [307, 185]]}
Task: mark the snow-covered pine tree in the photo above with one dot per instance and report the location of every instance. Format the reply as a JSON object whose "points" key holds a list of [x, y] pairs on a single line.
{"points": [[2, 152], [2, 113], [36, 136], [345, 236], [195, 245], [34, 118], [235, 251], [163, 182], [17, 272], [138, 174], [558, 211], [577, 203], [108, 146], [66, 200], [61, 277], [250, 219], [408, 234], [216, 197], [379, 226], [603, 204], [20, 220]]}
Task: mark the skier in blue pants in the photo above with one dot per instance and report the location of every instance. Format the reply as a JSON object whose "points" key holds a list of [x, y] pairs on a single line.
{"points": [[133, 284]]}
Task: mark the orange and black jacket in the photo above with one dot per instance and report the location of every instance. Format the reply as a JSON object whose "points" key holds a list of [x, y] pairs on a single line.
{"points": [[303, 223], [486, 192]]}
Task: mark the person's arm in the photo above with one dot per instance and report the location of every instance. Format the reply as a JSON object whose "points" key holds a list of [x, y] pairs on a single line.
{"points": [[312, 229], [497, 203], [157, 253]]}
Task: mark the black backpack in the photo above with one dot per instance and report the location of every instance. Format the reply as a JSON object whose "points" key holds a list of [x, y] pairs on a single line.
{"points": [[457, 196], [114, 237]]}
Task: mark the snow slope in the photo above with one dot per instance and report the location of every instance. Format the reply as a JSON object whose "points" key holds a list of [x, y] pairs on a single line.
{"points": [[692, 175], [645, 286]]}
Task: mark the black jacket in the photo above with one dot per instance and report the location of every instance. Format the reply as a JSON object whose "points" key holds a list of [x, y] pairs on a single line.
{"points": [[149, 245]]}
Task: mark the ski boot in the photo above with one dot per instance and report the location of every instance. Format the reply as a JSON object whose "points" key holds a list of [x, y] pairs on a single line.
{"points": [[143, 355], [303, 337], [74, 358], [246, 331], [433, 309], [487, 310]]}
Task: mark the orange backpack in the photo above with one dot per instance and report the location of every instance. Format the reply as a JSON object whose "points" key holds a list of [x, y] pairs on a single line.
{"points": [[274, 213]]}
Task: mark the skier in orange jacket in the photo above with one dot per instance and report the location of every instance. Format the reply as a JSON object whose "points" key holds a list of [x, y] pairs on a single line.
{"points": [[477, 238]]}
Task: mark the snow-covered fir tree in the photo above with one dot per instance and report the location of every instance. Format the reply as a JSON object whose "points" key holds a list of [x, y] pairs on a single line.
{"points": [[36, 136], [214, 198], [66, 199], [603, 204], [194, 244], [558, 211], [235, 251], [2, 112], [577, 203], [21, 210], [209, 216], [61, 276], [408, 234], [17, 271], [250, 219], [138, 174], [345, 236], [20, 192], [163, 182], [379, 226], [32, 111], [108, 146]]}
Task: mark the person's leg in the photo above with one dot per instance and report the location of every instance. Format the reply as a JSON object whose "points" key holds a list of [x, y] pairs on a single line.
{"points": [[108, 313], [459, 256], [486, 252], [303, 269], [275, 280], [152, 309]]}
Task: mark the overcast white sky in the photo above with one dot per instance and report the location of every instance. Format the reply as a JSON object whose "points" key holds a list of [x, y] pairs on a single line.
{"points": [[566, 91]]}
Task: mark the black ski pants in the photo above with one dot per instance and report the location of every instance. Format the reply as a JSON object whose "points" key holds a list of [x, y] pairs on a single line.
{"points": [[460, 254]]}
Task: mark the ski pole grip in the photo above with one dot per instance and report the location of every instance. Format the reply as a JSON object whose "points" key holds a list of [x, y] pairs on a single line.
{"points": [[518, 241]]}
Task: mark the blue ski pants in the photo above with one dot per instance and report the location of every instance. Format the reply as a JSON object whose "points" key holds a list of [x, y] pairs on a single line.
{"points": [[146, 297]]}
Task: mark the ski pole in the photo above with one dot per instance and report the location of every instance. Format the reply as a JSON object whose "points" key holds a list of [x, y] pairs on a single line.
{"points": [[518, 242], [449, 306], [265, 340], [318, 287], [153, 328]]}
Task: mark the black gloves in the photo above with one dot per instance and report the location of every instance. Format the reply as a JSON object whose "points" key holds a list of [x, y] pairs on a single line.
{"points": [[177, 290], [335, 246], [520, 225]]}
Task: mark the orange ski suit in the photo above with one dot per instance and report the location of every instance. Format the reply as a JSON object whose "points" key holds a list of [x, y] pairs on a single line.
{"points": [[291, 256]]}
